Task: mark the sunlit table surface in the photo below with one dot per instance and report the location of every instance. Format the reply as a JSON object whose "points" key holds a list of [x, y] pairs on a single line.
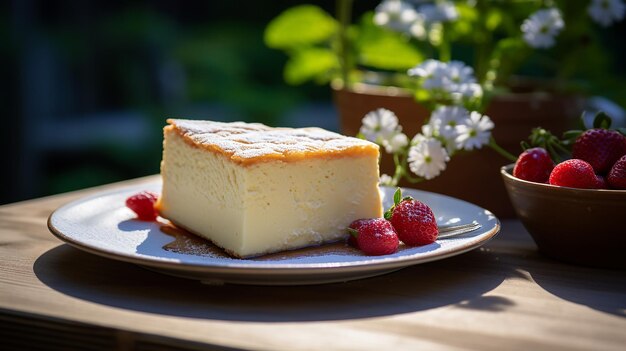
{"points": [[502, 296]]}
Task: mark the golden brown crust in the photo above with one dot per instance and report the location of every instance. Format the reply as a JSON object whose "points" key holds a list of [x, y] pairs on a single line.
{"points": [[251, 143]]}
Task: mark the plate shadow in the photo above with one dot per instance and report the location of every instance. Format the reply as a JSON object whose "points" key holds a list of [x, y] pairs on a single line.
{"points": [[123, 285]]}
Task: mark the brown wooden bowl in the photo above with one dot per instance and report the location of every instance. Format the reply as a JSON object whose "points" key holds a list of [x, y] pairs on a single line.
{"points": [[580, 226]]}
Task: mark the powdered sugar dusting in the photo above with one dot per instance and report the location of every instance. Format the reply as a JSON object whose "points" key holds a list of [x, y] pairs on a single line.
{"points": [[248, 141]]}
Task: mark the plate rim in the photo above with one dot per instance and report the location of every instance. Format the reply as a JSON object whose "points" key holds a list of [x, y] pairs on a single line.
{"points": [[256, 267]]}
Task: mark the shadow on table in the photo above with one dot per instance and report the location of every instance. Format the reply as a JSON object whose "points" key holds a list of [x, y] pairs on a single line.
{"points": [[605, 292], [599, 289], [453, 281]]}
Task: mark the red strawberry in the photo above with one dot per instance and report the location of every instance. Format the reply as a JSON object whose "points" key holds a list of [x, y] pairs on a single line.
{"points": [[375, 237], [574, 173], [600, 147], [413, 220], [143, 205], [534, 165], [617, 174], [356, 225]]}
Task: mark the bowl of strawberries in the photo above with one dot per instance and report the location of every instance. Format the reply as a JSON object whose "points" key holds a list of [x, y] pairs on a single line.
{"points": [[570, 193]]}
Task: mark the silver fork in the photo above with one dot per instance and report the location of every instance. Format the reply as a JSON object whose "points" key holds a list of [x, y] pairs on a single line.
{"points": [[450, 231]]}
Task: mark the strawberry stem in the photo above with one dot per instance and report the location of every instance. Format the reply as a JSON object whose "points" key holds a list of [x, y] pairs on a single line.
{"points": [[557, 148], [353, 232]]}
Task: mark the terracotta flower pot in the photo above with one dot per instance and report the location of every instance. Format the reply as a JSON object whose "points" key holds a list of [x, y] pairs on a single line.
{"points": [[475, 176]]}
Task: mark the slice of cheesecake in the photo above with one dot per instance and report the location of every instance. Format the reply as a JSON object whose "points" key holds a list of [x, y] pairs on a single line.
{"points": [[253, 190]]}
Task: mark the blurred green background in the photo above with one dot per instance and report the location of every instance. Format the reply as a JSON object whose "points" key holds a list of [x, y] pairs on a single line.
{"points": [[87, 85]]}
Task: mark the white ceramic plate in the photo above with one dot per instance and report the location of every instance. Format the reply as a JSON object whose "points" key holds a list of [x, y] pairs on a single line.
{"points": [[102, 225]]}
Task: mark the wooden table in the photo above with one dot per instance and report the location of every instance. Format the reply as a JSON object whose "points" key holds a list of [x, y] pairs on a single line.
{"points": [[503, 296]]}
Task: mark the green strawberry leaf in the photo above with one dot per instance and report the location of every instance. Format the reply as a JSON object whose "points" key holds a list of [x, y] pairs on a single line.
{"points": [[569, 137], [525, 146], [353, 232], [397, 196], [602, 120], [389, 213], [622, 130], [580, 122], [558, 149], [572, 134]]}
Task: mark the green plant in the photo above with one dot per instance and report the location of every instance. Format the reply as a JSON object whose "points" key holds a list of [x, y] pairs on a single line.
{"points": [[323, 49], [412, 45], [497, 38]]}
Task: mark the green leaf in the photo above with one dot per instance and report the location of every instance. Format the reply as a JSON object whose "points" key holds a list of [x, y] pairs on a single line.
{"points": [[572, 134], [298, 26], [467, 12], [389, 54], [380, 48], [494, 19], [310, 63], [622, 130], [509, 45], [524, 145], [602, 120], [389, 213], [353, 232], [580, 122], [558, 149], [397, 196], [465, 25], [422, 95], [508, 54]]}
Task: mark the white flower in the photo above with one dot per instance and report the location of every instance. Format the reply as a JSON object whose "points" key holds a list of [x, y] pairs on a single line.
{"points": [[442, 11], [395, 14], [461, 81], [444, 122], [385, 179], [459, 73], [427, 158], [433, 72], [379, 125], [541, 28], [419, 29], [470, 90], [395, 143], [428, 131], [605, 12], [474, 131], [454, 80]]}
